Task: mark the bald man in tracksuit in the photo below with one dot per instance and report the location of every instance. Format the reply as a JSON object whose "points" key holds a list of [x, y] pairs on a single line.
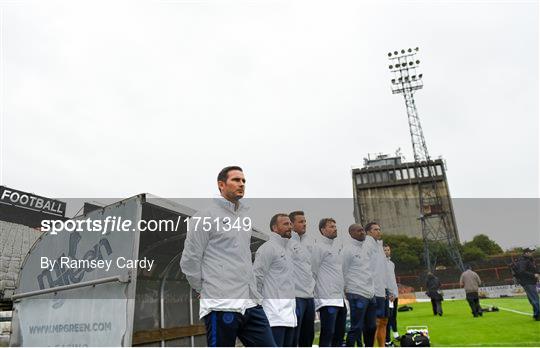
{"points": [[273, 269], [359, 288]]}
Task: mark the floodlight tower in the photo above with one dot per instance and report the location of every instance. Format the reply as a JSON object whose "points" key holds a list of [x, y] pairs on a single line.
{"points": [[435, 219]]}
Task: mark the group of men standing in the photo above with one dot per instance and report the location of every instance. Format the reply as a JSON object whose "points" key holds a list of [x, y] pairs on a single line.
{"points": [[272, 301]]}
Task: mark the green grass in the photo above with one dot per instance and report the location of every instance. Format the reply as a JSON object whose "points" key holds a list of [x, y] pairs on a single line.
{"points": [[457, 326]]}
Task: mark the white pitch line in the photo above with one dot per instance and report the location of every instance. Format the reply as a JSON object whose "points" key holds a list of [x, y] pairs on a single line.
{"points": [[510, 310]]}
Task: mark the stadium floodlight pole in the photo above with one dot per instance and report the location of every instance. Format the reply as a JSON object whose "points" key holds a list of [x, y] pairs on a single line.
{"points": [[406, 79], [435, 219]]}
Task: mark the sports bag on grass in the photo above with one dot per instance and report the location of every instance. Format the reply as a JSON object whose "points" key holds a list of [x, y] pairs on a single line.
{"points": [[416, 336]]}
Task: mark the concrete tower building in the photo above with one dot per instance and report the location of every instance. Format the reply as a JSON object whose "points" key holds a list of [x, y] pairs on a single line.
{"points": [[387, 190]]}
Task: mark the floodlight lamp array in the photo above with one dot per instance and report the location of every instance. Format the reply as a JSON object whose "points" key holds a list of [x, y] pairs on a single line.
{"points": [[403, 51]]}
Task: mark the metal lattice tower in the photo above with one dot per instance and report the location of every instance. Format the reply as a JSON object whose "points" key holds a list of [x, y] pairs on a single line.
{"points": [[435, 220]]}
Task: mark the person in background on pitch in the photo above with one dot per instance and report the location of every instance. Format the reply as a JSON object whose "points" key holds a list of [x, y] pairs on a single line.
{"points": [[392, 284], [433, 286], [328, 274], [273, 269], [229, 300], [359, 288], [527, 274], [301, 246], [470, 281], [379, 270]]}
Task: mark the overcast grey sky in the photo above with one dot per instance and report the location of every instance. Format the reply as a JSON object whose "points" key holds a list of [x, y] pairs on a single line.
{"points": [[110, 99]]}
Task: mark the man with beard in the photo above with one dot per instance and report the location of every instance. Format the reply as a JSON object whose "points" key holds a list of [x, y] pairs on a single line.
{"points": [[302, 246], [273, 269], [329, 284], [374, 245]]}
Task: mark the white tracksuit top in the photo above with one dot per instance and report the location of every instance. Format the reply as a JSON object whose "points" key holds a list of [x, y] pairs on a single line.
{"points": [[391, 281], [377, 258], [217, 264], [274, 269], [328, 273], [356, 269], [302, 248]]}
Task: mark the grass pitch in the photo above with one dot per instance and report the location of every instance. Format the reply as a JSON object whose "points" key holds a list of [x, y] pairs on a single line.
{"points": [[511, 326]]}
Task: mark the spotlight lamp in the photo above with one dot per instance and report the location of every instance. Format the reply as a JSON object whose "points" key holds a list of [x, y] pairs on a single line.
{"points": [[404, 65]]}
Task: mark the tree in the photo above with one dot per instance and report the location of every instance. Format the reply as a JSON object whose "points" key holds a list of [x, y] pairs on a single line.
{"points": [[473, 253], [406, 251], [408, 260], [440, 252], [486, 245]]}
